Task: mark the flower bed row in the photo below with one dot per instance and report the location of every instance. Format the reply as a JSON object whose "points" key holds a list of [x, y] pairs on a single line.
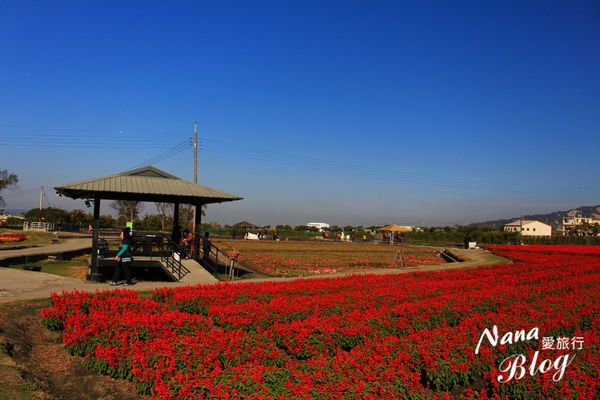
{"points": [[363, 337], [550, 249], [12, 237]]}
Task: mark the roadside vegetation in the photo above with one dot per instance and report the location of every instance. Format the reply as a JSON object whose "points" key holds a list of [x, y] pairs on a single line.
{"points": [[32, 238]]}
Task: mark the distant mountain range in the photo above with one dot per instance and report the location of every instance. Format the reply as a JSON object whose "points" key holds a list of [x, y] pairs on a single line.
{"points": [[553, 219]]}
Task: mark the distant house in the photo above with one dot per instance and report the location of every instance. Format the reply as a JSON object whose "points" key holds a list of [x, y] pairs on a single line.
{"points": [[529, 228], [319, 225], [570, 224], [244, 225]]}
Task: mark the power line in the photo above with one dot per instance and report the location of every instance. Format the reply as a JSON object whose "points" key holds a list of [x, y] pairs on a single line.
{"points": [[105, 139], [166, 154], [307, 162], [46, 197]]}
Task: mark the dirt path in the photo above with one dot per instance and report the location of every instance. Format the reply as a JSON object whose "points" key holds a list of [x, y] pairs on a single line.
{"points": [[52, 248]]}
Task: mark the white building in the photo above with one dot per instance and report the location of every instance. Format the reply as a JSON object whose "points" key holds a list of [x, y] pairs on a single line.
{"points": [[572, 222], [529, 228], [319, 225]]}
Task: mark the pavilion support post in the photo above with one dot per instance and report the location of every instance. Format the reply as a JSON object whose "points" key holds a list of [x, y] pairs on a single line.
{"points": [[175, 215], [197, 221], [176, 231], [94, 274]]}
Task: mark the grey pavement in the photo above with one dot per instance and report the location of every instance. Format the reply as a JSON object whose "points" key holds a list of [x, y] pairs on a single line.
{"points": [[16, 284], [63, 246]]}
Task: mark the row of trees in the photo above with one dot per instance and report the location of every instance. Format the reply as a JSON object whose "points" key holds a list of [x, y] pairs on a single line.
{"points": [[127, 211]]}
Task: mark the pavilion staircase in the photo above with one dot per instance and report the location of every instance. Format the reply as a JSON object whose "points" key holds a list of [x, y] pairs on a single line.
{"points": [[173, 266]]}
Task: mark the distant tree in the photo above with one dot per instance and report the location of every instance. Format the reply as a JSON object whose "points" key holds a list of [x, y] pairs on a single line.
{"points": [[7, 181], [152, 222], [164, 211], [80, 218], [47, 215], [186, 214], [129, 210], [107, 221], [284, 227]]}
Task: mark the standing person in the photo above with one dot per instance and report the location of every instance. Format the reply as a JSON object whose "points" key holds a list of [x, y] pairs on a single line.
{"points": [[205, 247], [123, 258], [187, 244], [176, 236]]}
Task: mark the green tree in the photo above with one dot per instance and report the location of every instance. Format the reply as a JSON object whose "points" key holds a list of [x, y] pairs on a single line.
{"points": [[164, 211], [152, 222], [107, 221], [7, 181], [129, 210], [80, 218], [48, 214], [186, 214]]}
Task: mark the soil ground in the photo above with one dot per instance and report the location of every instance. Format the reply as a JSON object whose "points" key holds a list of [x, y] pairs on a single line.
{"points": [[35, 365]]}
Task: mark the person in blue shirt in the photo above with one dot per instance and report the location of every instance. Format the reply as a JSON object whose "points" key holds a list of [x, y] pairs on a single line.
{"points": [[123, 258]]}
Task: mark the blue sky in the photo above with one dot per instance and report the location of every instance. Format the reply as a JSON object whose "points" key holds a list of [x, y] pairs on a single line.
{"points": [[348, 112]]}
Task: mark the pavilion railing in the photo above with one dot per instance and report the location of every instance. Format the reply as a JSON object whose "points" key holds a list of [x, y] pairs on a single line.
{"points": [[174, 266]]}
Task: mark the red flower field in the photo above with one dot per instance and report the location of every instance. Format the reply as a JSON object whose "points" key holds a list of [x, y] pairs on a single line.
{"points": [[12, 237], [408, 336]]}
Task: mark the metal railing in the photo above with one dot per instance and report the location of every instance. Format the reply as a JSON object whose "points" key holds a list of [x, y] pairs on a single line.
{"points": [[228, 266], [38, 226], [174, 266]]}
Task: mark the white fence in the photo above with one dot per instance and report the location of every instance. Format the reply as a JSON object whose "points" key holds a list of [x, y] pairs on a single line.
{"points": [[38, 226]]}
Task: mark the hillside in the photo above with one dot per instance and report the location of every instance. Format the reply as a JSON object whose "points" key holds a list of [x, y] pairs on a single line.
{"points": [[553, 219]]}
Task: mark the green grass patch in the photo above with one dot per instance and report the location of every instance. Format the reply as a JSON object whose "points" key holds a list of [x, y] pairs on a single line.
{"points": [[74, 268]]}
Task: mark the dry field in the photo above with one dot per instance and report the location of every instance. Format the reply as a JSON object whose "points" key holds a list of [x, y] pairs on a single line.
{"points": [[303, 258]]}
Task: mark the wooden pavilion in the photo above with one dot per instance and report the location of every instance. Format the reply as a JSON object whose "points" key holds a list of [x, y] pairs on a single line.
{"points": [[143, 184]]}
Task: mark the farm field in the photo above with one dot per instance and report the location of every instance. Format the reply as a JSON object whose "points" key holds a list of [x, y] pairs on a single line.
{"points": [[412, 336], [297, 258]]}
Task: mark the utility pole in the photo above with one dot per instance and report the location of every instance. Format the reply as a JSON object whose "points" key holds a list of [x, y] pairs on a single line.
{"points": [[41, 197], [197, 208], [195, 175], [195, 152]]}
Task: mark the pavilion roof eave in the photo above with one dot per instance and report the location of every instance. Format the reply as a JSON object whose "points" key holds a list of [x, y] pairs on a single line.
{"points": [[145, 184], [157, 198]]}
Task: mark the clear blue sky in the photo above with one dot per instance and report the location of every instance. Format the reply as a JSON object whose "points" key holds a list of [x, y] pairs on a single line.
{"points": [[349, 112]]}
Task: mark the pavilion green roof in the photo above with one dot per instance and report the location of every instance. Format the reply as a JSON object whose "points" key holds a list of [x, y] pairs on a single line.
{"points": [[145, 184]]}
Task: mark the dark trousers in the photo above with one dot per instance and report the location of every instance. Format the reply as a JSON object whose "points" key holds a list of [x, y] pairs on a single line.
{"points": [[121, 266]]}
